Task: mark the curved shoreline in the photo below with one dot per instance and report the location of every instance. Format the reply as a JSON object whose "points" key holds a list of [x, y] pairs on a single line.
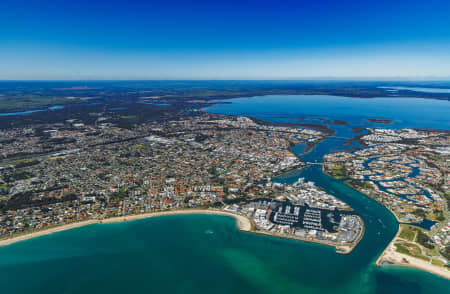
{"points": [[243, 223], [347, 249]]}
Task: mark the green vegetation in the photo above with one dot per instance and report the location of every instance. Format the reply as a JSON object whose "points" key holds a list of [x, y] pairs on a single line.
{"points": [[357, 184], [430, 252], [27, 101], [424, 240], [401, 249], [408, 233], [437, 262], [338, 171], [438, 215], [119, 195], [25, 163], [411, 233], [17, 176], [420, 213], [447, 197], [446, 252], [410, 249], [419, 244], [436, 158], [58, 141]]}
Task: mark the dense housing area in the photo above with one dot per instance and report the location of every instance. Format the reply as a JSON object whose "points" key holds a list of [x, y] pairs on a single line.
{"points": [[55, 174], [407, 171]]}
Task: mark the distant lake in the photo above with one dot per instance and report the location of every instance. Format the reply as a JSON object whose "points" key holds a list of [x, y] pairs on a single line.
{"points": [[157, 104], [21, 112], [420, 89], [56, 107], [404, 112], [117, 108]]}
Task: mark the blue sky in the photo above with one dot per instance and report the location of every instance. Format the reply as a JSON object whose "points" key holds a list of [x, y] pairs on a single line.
{"points": [[132, 39]]}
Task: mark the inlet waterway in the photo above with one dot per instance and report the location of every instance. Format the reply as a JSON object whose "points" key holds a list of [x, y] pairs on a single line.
{"points": [[207, 254], [380, 225]]}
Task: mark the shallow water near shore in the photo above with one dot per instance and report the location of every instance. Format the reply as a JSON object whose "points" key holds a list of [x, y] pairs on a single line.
{"points": [[208, 254], [193, 254]]}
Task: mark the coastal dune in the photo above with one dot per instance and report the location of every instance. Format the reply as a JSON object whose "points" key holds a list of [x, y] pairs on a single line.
{"points": [[391, 256], [242, 222]]}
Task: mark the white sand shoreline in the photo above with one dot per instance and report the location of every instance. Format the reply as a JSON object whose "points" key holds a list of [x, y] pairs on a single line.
{"points": [[390, 255], [242, 222]]}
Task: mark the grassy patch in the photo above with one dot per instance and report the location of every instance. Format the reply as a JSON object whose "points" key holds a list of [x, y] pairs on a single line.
{"points": [[357, 184], [338, 171], [401, 249], [25, 163], [407, 233], [410, 249], [436, 158], [413, 248], [431, 252], [437, 262]]}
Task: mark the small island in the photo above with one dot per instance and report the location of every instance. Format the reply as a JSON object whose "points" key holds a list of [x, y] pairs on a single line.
{"points": [[380, 120]]}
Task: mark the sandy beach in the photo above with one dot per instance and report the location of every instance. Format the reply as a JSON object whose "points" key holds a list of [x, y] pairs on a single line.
{"points": [[242, 222], [389, 255], [48, 231]]}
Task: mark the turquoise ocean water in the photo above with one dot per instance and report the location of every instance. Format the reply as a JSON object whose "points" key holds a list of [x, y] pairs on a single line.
{"points": [[207, 254]]}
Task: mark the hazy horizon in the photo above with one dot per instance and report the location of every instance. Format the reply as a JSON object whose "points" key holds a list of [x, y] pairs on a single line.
{"points": [[313, 79], [237, 40]]}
